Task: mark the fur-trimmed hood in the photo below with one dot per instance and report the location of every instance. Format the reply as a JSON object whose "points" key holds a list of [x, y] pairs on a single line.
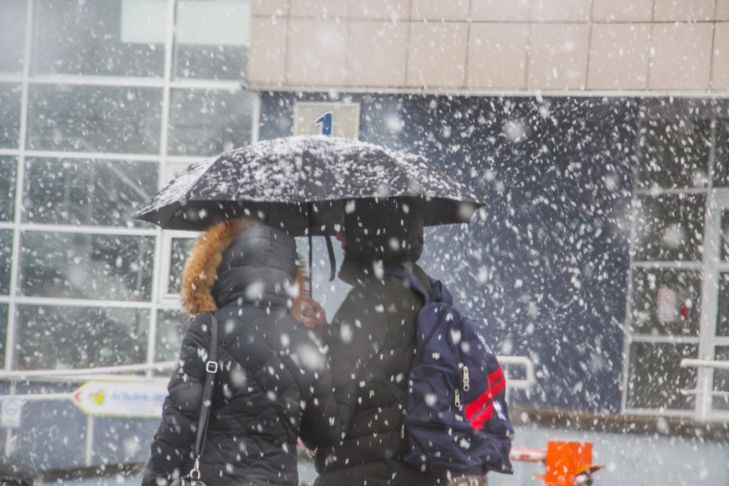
{"points": [[241, 261]]}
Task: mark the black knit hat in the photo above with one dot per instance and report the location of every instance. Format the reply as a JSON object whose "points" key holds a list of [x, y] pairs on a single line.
{"points": [[390, 230]]}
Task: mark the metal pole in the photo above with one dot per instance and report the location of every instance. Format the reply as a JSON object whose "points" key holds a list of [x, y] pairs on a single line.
{"points": [[89, 440], [704, 363]]}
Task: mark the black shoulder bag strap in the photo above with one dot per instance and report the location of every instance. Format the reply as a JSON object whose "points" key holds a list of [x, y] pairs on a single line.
{"points": [[211, 368]]}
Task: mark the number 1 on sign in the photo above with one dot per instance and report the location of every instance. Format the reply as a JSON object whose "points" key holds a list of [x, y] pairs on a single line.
{"points": [[325, 122]]}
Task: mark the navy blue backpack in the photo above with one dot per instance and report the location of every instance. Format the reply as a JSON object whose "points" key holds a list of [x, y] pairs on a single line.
{"points": [[456, 419]]}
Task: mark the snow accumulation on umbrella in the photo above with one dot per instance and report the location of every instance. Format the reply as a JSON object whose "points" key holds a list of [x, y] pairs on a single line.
{"points": [[179, 187], [291, 169], [295, 171]]}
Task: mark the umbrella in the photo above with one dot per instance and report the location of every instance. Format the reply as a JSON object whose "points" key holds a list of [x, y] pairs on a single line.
{"points": [[301, 185]]}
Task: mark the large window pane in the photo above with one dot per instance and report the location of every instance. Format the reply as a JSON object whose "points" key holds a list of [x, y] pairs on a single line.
{"points": [[207, 122], [3, 330], [721, 168], [52, 432], [656, 377], [99, 37], [171, 326], [9, 115], [12, 35], [212, 39], [86, 266], [666, 302], [724, 234], [722, 314], [670, 227], [8, 167], [94, 118], [6, 255], [179, 250], [79, 337], [675, 153], [73, 191], [721, 380]]}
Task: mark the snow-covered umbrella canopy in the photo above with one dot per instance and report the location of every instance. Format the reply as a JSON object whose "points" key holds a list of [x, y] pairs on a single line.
{"points": [[297, 183]]}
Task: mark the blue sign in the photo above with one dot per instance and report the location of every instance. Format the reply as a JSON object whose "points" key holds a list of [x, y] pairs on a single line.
{"points": [[326, 121]]}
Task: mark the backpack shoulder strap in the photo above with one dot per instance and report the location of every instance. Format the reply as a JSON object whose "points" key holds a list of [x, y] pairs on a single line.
{"points": [[415, 284], [380, 377], [377, 373]]}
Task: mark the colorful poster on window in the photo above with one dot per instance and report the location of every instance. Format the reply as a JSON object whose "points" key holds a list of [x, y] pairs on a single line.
{"points": [[666, 305], [121, 398]]}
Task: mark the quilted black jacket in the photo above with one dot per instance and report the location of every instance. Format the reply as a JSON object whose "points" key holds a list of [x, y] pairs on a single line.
{"points": [[273, 386]]}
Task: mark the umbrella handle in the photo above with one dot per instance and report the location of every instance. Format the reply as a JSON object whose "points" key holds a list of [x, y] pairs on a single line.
{"points": [[311, 249], [311, 265], [332, 258]]}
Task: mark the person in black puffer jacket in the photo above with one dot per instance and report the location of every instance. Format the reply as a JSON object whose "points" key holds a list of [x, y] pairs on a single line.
{"points": [[274, 383], [375, 328]]}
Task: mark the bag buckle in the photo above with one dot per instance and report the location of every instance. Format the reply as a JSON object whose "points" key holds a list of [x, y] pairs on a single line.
{"points": [[211, 367], [195, 473]]}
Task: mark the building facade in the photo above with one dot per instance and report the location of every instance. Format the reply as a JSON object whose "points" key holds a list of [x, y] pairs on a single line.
{"points": [[596, 130]]}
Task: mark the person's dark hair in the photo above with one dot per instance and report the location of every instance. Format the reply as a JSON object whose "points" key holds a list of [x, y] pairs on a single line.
{"points": [[390, 230]]}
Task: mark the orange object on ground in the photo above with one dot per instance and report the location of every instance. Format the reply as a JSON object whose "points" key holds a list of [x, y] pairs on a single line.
{"points": [[568, 464]]}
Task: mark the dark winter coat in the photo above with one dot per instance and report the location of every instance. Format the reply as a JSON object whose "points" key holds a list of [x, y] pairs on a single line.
{"points": [[374, 328], [273, 385]]}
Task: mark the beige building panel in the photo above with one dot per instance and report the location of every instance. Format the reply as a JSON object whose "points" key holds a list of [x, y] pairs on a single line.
{"points": [[440, 9], [393, 10], [267, 54], [373, 43], [269, 7], [317, 52], [558, 56], [622, 10], [619, 56], [319, 8], [497, 56], [500, 10], [560, 10], [722, 9], [437, 55], [682, 10], [720, 64], [381, 53], [681, 56]]}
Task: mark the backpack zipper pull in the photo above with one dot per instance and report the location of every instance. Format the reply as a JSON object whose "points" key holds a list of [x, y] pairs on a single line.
{"points": [[466, 384], [458, 399]]}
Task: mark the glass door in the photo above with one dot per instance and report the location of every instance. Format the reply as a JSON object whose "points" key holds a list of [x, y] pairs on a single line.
{"points": [[713, 385]]}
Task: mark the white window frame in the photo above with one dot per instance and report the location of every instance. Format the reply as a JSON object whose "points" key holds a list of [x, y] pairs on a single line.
{"points": [[166, 298]]}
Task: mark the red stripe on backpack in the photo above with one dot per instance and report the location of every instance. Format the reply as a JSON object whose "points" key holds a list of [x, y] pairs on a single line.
{"points": [[481, 409]]}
